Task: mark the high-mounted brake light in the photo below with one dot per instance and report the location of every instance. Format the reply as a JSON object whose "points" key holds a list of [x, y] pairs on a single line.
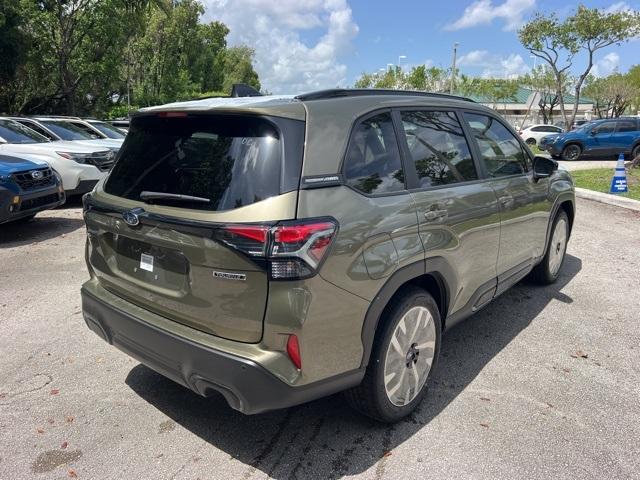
{"points": [[295, 249], [172, 114]]}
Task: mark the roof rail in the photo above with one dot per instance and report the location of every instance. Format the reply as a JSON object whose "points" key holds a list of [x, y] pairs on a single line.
{"points": [[363, 92]]}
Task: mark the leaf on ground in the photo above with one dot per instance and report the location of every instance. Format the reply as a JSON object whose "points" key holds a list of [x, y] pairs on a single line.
{"points": [[55, 391], [485, 399], [72, 473], [566, 370], [51, 421], [64, 445], [68, 419], [549, 405], [387, 454], [40, 430], [485, 425], [579, 354]]}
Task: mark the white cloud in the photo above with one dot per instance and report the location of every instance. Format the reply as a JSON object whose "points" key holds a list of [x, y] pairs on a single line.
{"points": [[606, 65], [495, 66], [284, 62], [484, 12], [618, 7]]}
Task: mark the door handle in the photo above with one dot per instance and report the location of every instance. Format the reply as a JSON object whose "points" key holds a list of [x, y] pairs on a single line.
{"points": [[434, 214]]}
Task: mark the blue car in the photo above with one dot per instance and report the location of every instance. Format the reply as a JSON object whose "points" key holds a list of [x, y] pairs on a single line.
{"points": [[603, 139], [26, 188]]}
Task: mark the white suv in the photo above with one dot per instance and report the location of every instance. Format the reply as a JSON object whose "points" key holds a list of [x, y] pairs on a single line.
{"points": [[79, 166], [534, 133]]}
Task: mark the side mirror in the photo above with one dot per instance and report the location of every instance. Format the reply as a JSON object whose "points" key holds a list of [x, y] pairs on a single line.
{"points": [[593, 132], [543, 167]]}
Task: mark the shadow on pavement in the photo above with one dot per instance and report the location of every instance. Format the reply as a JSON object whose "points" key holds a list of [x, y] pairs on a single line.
{"points": [[325, 438]]}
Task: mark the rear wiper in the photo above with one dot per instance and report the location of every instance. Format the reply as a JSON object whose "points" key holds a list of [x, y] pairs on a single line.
{"points": [[145, 195]]}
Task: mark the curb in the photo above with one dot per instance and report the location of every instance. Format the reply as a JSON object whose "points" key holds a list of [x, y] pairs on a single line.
{"points": [[609, 199]]}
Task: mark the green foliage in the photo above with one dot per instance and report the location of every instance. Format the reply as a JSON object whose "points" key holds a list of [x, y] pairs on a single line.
{"points": [[422, 78], [488, 90], [612, 95], [86, 57], [588, 30]]}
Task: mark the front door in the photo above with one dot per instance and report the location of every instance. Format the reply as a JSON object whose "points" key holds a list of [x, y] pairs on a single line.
{"points": [[524, 209], [457, 212], [600, 141]]}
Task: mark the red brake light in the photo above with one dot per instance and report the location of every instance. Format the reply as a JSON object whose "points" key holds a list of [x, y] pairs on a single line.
{"points": [[293, 350], [172, 114], [299, 233], [257, 233]]}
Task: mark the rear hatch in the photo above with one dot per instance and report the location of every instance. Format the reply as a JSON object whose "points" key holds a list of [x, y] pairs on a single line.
{"points": [[183, 248]]}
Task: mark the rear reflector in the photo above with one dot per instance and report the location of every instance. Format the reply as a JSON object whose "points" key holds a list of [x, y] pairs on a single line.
{"points": [[293, 350]]}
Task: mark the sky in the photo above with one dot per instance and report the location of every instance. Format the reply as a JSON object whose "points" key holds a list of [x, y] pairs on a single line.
{"points": [[304, 45]]}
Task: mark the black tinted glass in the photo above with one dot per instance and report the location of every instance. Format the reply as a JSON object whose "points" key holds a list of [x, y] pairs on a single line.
{"points": [[501, 152], [66, 130], [604, 128], [233, 161], [373, 161], [627, 126], [438, 148]]}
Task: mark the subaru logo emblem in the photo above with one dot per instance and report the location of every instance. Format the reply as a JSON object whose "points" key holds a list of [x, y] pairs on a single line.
{"points": [[36, 174], [131, 217]]}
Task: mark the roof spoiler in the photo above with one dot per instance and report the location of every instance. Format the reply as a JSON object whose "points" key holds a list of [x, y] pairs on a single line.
{"points": [[243, 90]]}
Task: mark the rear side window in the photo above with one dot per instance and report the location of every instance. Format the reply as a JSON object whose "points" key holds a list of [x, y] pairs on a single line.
{"points": [[438, 148], [66, 130], [627, 126], [373, 163], [231, 161], [500, 151]]}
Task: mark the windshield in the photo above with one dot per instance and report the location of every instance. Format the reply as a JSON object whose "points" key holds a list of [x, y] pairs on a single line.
{"points": [[585, 126], [66, 130], [109, 130], [14, 132], [232, 161]]}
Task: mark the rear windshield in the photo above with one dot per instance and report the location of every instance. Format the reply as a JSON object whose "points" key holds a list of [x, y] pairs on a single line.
{"points": [[232, 161]]}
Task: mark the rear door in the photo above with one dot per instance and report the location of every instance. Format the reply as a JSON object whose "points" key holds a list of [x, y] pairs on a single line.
{"points": [[524, 208], [197, 260], [457, 211], [625, 135]]}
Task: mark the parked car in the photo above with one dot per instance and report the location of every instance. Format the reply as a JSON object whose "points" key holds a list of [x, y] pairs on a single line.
{"points": [[27, 187], [605, 139], [108, 130], [79, 166], [64, 128], [221, 259], [122, 124], [544, 142], [534, 133]]}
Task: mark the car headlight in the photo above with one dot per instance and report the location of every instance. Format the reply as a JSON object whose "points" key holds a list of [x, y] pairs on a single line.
{"points": [[76, 157]]}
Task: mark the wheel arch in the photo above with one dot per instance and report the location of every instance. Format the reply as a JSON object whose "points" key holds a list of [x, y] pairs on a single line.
{"points": [[434, 275]]}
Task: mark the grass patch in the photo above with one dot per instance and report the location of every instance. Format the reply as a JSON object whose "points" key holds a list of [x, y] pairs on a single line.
{"points": [[599, 179]]}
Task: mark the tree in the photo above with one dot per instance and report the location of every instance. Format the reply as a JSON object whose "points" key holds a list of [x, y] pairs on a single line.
{"points": [[542, 81], [588, 30], [238, 68], [611, 95], [421, 78]]}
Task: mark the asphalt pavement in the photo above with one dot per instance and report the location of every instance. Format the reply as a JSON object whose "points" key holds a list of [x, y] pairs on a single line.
{"points": [[543, 383]]}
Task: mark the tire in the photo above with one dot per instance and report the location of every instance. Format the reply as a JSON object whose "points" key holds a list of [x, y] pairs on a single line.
{"points": [[26, 219], [548, 270], [555, 157], [635, 153], [571, 152], [418, 313], [531, 141]]}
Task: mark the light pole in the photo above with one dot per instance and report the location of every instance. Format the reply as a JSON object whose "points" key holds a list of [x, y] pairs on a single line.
{"points": [[535, 61], [453, 68]]}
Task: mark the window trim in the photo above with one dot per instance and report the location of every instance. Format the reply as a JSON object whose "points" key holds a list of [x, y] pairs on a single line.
{"points": [[410, 170], [620, 120], [343, 164], [476, 147]]}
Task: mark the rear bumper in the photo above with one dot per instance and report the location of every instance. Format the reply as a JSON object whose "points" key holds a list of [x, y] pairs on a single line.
{"points": [[244, 383]]}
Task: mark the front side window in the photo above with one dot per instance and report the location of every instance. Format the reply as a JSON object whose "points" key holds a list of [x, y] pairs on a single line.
{"points": [[108, 130], [604, 128], [227, 162], [373, 161], [66, 130], [438, 148], [500, 151]]}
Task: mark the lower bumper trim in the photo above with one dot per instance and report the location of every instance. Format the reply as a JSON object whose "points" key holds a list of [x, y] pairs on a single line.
{"points": [[246, 385]]}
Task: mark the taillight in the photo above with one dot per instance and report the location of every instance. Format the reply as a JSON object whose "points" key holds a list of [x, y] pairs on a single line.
{"points": [[295, 249]]}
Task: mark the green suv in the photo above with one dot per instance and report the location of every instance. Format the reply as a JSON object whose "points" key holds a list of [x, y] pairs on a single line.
{"points": [[280, 249]]}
